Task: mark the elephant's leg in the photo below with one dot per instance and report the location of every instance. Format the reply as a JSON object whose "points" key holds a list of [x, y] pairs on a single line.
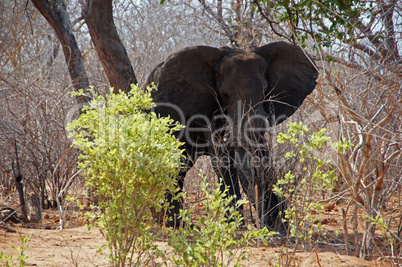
{"points": [[176, 203], [225, 167], [272, 211], [272, 206]]}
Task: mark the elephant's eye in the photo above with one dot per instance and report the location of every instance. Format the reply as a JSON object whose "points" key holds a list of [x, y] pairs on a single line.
{"points": [[225, 93]]}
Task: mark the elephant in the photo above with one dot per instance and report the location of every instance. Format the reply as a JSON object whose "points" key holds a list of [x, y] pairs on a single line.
{"points": [[227, 99]]}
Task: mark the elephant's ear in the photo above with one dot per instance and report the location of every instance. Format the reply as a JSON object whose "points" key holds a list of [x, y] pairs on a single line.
{"points": [[187, 79], [291, 78]]}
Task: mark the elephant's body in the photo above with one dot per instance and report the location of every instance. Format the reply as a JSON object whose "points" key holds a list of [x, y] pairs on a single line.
{"points": [[227, 99]]}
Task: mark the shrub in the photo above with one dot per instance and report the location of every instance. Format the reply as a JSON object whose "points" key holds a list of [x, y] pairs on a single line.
{"points": [[7, 260], [214, 239], [301, 187], [129, 157]]}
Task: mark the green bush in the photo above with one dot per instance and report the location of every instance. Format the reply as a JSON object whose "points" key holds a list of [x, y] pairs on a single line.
{"points": [[300, 188], [213, 239], [7, 260], [130, 159]]}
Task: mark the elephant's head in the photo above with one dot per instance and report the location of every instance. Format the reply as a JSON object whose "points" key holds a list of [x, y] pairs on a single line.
{"points": [[272, 81], [201, 85]]}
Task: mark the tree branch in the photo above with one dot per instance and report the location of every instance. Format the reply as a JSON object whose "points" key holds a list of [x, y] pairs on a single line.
{"points": [[57, 16], [98, 16], [271, 22]]}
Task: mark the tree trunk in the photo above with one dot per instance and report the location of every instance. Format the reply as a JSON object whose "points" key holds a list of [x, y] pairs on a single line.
{"points": [[36, 212], [18, 183], [23, 205], [55, 12], [112, 54]]}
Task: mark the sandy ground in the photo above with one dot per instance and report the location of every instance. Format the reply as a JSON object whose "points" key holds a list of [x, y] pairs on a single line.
{"points": [[80, 247]]}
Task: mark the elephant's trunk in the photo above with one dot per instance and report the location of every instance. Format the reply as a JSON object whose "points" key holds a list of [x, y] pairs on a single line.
{"points": [[248, 125], [253, 162]]}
